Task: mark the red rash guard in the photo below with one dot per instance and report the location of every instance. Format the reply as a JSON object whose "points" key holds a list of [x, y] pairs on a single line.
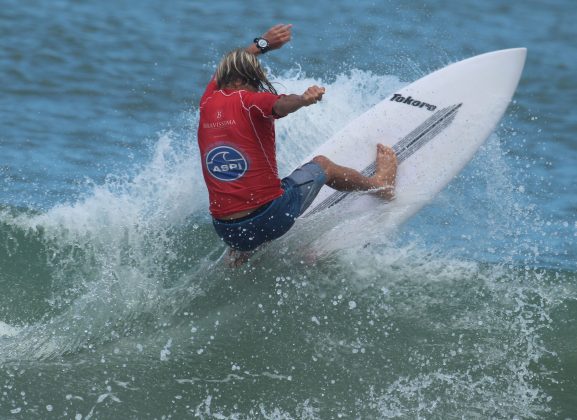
{"points": [[236, 138]]}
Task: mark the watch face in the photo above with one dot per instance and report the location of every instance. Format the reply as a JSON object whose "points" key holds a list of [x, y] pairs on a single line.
{"points": [[262, 43]]}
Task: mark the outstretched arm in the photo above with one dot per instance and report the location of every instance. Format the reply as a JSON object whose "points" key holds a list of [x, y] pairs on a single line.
{"points": [[291, 103], [276, 36]]}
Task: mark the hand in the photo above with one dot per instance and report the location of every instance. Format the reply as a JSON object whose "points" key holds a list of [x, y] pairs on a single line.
{"points": [[312, 95], [278, 35]]}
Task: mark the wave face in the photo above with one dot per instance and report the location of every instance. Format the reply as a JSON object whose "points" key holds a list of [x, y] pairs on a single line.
{"points": [[114, 302], [121, 292]]}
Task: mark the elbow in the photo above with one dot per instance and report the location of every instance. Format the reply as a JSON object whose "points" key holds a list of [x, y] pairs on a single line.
{"points": [[278, 111]]}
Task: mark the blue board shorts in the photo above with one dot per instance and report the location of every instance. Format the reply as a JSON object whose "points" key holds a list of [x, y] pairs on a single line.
{"points": [[274, 219]]}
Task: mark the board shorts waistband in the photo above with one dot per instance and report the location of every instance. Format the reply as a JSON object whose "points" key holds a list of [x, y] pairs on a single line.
{"points": [[275, 218], [252, 214]]}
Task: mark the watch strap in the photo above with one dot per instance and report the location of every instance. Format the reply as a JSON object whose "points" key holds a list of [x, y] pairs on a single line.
{"points": [[261, 48]]}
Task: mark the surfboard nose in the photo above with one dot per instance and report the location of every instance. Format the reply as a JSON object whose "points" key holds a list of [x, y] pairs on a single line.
{"points": [[511, 55], [509, 63]]}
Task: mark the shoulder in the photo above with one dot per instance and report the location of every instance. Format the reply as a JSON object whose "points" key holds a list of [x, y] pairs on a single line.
{"points": [[259, 101], [211, 88]]}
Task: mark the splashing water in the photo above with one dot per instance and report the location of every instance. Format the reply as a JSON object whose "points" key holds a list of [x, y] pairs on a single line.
{"points": [[125, 293]]}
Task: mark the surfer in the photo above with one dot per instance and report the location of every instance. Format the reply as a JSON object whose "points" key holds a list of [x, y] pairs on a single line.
{"points": [[249, 203]]}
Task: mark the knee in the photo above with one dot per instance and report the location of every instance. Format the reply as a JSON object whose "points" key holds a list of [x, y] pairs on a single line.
{"points": [[322, 161], [326, 164]]}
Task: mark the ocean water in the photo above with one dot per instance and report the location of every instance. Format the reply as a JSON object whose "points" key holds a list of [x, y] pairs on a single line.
{"points": [[112, 306]]}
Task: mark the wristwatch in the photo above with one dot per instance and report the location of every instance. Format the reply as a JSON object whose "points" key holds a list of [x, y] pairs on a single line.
{"points": [[262, 44]]}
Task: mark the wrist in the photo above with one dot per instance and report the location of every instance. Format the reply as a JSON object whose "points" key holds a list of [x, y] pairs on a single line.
{"points": [[305, 100], [262, 44], [252, 49]]}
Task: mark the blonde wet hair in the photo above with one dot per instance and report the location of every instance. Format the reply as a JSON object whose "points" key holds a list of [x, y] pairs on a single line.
{"points": [[242, 66]]}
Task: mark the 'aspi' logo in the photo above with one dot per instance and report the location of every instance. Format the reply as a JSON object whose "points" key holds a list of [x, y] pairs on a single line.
{"points": [[226, 163]]}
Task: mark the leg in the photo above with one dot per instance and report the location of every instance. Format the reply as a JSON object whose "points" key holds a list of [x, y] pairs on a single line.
{"points": [[235, 259], [346, 179]]}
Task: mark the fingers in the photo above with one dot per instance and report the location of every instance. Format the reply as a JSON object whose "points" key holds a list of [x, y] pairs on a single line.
{"points": [[278, 35], [314, 94], [318, 91], [281, 29]]}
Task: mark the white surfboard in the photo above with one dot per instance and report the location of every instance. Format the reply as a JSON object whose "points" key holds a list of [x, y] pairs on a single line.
{"points": [[435, 125]]}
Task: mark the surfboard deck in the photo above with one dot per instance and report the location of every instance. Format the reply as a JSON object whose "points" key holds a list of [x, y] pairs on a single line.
{"points": [[435, 125]]}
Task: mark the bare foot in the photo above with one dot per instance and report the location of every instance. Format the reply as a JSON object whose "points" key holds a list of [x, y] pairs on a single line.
{"points": [[386, 172]]}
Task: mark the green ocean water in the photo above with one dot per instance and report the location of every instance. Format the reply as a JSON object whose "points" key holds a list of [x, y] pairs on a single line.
{"points": [[113, 303]]}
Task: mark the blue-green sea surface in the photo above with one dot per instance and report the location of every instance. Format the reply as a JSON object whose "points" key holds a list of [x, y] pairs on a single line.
{"points": [[112, 304]]}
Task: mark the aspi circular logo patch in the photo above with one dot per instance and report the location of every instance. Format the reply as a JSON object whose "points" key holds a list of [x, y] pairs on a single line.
{"points": [[226, 163]]}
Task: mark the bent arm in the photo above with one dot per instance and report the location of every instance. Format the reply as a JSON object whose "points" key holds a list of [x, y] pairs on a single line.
{"points": [[290, 103], [276, 36]]}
